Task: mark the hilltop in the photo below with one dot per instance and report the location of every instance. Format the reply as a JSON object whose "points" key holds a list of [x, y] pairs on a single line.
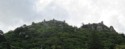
{"points": [[56, 34]]}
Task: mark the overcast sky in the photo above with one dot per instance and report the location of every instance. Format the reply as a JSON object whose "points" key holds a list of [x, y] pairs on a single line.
{"points": [[14, 13]]}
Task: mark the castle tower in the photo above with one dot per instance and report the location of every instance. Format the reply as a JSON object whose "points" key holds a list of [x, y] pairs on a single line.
{"points": [[101, 22], [112, 28]]}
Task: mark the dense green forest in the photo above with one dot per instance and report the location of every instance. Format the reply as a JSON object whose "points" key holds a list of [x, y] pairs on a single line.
{"points": [[55, 34]]}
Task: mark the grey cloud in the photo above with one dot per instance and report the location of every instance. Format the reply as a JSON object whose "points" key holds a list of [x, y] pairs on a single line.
{"points": [[14, 9], [14, 13], [54, 11]]}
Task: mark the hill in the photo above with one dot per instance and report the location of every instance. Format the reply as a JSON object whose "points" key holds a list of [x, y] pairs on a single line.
{"points": [[56, 34], [4, 44]]}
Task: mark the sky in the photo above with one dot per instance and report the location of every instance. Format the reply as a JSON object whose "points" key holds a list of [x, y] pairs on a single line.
{"points": [[15, 13]]}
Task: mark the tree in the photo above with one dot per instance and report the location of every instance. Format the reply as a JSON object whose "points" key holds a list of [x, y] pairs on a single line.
{"points": [[94, 41]]}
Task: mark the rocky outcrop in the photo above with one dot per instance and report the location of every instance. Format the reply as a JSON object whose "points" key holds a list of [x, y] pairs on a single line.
{"points": [[112, 28], [1, 32], [98, 26]]}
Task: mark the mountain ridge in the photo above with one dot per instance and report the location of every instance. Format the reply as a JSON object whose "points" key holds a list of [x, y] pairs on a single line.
{"points": [[56, 34]]}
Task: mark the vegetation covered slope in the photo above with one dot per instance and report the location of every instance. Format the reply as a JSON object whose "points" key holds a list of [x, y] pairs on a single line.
{"points": [[55, 34], [3, 42]]}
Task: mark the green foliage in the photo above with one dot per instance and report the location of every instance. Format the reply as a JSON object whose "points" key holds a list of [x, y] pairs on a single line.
{"points": [[55, 34], [4, 43], [120, 47]]}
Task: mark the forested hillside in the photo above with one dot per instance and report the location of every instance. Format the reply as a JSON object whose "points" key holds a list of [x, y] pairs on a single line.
{"points": [[55, 34]]}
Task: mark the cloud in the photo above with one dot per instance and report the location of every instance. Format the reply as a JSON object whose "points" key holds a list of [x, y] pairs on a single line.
{"points": [[52, 10], [14, 13], [91, 11]]}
